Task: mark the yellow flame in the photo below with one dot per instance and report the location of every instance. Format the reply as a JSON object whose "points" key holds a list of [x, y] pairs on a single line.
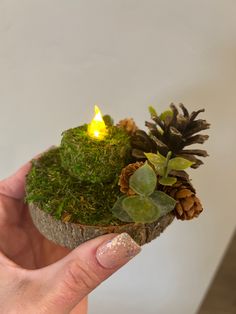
{"points": [[97, 128]]}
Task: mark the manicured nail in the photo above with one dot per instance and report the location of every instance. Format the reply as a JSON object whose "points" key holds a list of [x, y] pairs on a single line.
{"points": [[45, 151], [51, 147], [118, 251]]}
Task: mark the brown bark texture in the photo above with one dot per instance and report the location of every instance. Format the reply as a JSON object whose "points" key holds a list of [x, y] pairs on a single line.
{"points": [[71, 235]]}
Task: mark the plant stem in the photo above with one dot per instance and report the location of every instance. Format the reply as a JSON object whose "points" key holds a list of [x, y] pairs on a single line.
{"points": [[166, 164]]}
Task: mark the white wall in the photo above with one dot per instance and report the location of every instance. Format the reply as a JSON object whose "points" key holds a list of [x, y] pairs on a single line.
{"points": [[57, 58]]}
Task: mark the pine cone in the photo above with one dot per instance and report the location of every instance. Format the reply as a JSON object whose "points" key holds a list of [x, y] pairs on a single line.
{"points": [[188, 205], [126, 173], [173, 133], [128, 125]]}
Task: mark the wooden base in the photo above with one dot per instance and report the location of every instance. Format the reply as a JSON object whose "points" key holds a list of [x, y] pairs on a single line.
{"points": [[71, 235]]}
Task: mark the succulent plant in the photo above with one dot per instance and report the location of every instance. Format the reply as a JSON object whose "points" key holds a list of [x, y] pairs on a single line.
{"points": [[148, 204]]}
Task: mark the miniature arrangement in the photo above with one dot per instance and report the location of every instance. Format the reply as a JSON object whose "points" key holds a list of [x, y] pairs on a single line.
{"points": [[107, 178]]}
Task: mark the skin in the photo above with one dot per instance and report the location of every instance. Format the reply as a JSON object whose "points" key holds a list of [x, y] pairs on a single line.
{"points": [[38, 276], [22, 247]]}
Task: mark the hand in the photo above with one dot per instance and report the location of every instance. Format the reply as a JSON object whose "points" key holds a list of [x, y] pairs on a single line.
{"points": [[38, 276]]}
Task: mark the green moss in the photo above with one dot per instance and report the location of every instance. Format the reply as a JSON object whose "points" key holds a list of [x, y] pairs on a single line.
{"points": [[92, 160], [55, 191]]}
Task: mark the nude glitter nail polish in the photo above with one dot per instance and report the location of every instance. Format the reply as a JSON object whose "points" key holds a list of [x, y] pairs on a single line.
{"points": [[117, 251]]}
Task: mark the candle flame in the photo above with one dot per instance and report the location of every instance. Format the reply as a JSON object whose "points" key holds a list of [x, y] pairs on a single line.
{"points": [[97, 128]]}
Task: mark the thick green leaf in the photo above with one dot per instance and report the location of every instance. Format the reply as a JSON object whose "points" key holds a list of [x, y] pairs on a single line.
{"points": [[144, 180], [160, 169], [165, 114], [167, 181], [164, 202], [158, 161], [152, 111], [119, 212], [141, 209], [179, 163], [155, 158]]}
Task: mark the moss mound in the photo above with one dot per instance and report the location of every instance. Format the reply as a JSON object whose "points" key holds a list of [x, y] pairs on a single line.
{"points": [[91, 160], [51, 187]]}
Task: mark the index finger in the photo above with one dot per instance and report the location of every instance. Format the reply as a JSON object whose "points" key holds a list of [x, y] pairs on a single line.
{"points": [[14, 186]]}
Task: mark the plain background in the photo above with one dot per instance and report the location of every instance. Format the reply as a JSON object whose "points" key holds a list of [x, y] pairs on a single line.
{"points": [[58, 58]]}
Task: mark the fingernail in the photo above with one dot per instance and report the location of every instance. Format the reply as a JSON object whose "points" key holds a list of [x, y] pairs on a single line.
{"points": [[118, 251], [51, 147], [45, 151]]}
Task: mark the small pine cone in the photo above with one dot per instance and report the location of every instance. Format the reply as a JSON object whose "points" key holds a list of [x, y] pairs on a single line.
{"points": [[126, 173], [188, 205], [128, 125]]}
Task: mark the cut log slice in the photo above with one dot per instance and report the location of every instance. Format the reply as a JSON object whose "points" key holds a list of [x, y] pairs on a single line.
{"points": [[71, 235]]}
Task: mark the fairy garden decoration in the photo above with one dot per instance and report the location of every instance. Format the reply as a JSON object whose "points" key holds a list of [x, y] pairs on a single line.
{"points": [[106, 178]]}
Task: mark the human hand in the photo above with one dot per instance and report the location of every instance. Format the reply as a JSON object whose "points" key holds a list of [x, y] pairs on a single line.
{"points": [[40, 277]]}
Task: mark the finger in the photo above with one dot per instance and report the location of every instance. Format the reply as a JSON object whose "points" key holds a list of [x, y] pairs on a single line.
{"points": [[68, 281], [14, 186], [81, 308], [5, 261]]}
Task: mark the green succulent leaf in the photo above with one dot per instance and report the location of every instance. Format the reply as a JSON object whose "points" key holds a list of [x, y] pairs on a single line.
{"points": [[168, 181], [144, 180], [119, 212], [141, 209], [158, 161], [155, 158], [179, 163], [165, 114], [152, 111], [164, 202]]}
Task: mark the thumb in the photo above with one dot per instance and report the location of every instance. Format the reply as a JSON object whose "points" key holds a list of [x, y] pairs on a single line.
{"points": [[80, 272]]}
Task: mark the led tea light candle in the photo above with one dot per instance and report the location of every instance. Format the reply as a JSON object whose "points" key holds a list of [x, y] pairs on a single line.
{"points": [[95, 152], [97, 128]]}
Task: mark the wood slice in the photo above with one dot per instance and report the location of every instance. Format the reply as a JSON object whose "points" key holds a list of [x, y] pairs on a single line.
{"points": [[71, 235]]}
